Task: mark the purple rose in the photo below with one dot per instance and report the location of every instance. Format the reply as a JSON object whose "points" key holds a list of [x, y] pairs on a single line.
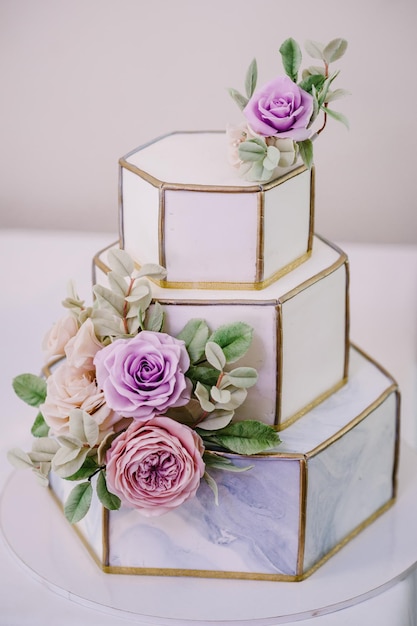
{"points": [[144, 376], [280, 108]]}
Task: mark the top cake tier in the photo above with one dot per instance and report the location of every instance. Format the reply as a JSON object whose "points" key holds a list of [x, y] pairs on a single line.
{"points": [[183, 206]]}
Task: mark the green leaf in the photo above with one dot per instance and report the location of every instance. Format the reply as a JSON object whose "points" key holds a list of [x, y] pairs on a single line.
{"points": [[205, 375], [43, 449], [220, 396], [216, 420], [336, 94], [30, 388], [151, 269], [338, 116], [83, 427], [107, 499], [86, 470], [155, 318], [213, 486], [306, 152], [120, 262], [313, 79], [314, 49], [251, 78], [243, 377], [221, 462], [78, 502], [248, 437], [234, 339], [195, 334], [240, 100], [291, 58], [334, 50], [117, 283], [215, 355], [322, 95], [39, 428], [271, 159]]}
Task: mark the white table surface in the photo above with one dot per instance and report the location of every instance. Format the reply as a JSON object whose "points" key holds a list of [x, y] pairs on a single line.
{"points": [[35, 267]]}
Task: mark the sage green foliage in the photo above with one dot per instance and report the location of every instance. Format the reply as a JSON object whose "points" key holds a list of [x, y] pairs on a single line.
{"points": [[107, 499], [30, 388], [39, 428], [78, 502], [247, 437], [259, 159]]}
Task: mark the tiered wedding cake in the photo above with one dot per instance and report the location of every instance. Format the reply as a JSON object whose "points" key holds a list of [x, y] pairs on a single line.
{"points": [[149, 399]]}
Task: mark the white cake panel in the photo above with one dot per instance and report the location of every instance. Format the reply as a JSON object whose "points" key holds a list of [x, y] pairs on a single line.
{"points": [[258, 231], [313, 340], [225, 234], [140, 218], [299, 345], [287, 213], [281, 519]]}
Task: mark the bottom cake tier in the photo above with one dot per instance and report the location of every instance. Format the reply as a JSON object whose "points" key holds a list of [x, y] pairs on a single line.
{"points": [[333, 474]]}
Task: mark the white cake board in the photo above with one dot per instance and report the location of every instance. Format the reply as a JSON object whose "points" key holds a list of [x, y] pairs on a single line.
{"points": [[49, 550]]}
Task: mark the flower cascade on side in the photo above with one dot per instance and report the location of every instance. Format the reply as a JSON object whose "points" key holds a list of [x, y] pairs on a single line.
{"points": [[145, 413], [280, 115]]}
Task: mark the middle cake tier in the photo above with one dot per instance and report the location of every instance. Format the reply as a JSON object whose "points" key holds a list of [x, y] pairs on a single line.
{"points": [[301, 331]]}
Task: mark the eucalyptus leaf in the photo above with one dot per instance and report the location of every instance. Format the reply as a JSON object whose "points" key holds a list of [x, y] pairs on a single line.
{"points": [[215, 355], [19, 459], [155, 318], [78, 502], [39, 428], [244, 377], [152, 270], [107, 499], [117, 283], [322, 94], [141, 290], [66, 461], [237, 398], [195, 334], [216, 420], [83, 427], [234, 339], [271, 159], [30, 388], [106, 298], [291, 58], [251, 78], [213, 486], [334, 50], [338, 117], [120, 262], [253, 150], [203, 397], [336, 94], [314, 49], [240, 100], [221, 396], [46, 445]]}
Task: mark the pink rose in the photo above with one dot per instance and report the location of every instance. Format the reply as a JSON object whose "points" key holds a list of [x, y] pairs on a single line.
{"points": [[69, 388], [82, 348], [155, 466], [280, 108], [145, 375], [57, 338]]}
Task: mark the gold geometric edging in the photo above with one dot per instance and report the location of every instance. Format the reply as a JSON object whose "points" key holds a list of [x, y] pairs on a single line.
{"points": [[260, 281]]}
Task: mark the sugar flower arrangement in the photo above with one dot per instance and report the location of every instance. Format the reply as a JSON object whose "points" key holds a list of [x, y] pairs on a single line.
{"points": [[143, 413], [279, 116]]}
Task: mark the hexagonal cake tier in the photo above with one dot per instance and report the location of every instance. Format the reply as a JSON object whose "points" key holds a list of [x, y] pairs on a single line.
{"points": [[183, 206]]}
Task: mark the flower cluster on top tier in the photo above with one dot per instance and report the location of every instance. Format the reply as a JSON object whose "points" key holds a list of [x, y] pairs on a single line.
{"points": [[147, 413], [280, 115]]}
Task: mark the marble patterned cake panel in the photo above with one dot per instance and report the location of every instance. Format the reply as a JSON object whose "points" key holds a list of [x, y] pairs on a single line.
{"points": [[253, 529], [350, 480]]}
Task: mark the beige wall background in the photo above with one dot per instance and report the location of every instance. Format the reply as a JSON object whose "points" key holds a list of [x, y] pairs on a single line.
{"points": [[85, 81]]}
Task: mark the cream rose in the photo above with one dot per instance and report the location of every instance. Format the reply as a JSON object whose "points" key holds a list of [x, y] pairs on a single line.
{"points": [[69, 388], [58, 336], [82, 348]]}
